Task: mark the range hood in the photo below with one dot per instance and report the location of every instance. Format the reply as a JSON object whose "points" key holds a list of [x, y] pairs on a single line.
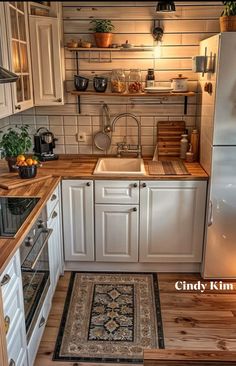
{"points": [[7, 76]]}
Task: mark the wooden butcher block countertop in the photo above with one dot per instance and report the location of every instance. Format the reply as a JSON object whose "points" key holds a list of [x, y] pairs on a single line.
{"points": [[67, 167]]}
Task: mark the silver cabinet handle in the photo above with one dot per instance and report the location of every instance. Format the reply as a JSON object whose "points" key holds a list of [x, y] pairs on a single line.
{"points": [[7, 321], [54, 197], [210, 214], [135, 209], [12, 362], [18, 107], [6, 278], [54, 214], [42, 322]]}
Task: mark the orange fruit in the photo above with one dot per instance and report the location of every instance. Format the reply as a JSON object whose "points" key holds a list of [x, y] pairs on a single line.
{"points": [[29, 161], [23, 163], [20, 158], [35, 162]]}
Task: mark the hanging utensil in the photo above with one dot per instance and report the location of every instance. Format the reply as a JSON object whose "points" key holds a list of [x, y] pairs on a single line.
{"points": [[102, 139]]}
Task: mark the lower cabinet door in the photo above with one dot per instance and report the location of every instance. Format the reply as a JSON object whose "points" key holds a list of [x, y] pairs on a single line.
{"points": [[54, 245], [116, 233], [172, 215], [78, 220]]}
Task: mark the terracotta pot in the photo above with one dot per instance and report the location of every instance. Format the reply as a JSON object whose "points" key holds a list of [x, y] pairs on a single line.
{"points": [[103, 40], [11, 161], [228, 23]]}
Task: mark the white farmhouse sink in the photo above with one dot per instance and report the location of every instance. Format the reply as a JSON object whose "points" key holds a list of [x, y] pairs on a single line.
{"points": [[119, 166]]}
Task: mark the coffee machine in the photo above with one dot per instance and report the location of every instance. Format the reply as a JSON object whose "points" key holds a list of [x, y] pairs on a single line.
{"points": [[44, 143]]}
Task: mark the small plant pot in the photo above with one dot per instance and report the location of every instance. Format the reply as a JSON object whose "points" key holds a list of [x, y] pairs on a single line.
{"points": [[27, 172], [228, 23], [103, 40], [11, 161]]}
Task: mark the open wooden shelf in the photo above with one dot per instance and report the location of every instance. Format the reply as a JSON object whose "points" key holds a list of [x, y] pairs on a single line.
{"points": [[134, 95], [110, 49]]}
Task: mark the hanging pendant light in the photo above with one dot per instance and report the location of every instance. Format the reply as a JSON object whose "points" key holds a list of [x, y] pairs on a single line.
{"points": [[166, 6], [7, 76]]}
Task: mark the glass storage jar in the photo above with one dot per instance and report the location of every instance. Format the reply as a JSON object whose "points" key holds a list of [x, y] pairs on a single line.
{"points": [[135, 81], [118, 84]]}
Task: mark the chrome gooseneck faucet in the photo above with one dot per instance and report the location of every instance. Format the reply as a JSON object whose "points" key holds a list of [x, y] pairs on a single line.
{"points": [[122, 147]]}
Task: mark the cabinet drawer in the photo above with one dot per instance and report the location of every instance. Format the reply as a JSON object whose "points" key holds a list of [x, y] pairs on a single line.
{"points": [[38, 331], [123, 192], [9, 276], [52, 201], [17, 343]]}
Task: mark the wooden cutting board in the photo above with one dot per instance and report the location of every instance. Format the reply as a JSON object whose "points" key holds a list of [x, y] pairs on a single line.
{"points": [[12, 180], [168, 137]]}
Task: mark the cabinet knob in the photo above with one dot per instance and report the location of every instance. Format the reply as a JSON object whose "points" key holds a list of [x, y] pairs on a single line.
{"points": [[18, 107], [59, 100], [88, 184], [54, 214], [135, 185], [7, 321], [41, 224], [135, 209], [12, 362], [54, 197], [144, 185], [6, 278]]}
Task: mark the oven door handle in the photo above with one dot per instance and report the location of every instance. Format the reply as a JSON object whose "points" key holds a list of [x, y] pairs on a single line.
{"points": [[26, 266]]}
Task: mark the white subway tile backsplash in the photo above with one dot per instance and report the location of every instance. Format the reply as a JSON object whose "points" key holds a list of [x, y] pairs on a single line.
{"points": [[70, 121], [55, 121]]}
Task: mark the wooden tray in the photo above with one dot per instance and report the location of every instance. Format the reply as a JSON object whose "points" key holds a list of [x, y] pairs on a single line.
{"points": [[12, 180], [168, 137]]}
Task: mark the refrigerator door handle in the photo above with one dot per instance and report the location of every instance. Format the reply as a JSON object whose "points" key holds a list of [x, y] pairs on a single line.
{"points": [[210, 214]]}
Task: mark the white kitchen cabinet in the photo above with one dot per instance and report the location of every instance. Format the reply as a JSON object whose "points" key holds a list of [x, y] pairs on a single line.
{"points": [[172, 217], [46, 60], [5, 89], [116, 232], [55, 246], [19, 54], [78, 220], [13, 309]]}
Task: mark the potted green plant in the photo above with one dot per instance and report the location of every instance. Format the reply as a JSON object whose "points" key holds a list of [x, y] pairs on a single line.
{"points": [[102, 29], [16, 141], [228, 17]]}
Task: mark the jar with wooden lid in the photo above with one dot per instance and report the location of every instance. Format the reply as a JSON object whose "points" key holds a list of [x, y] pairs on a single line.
{"points": [[179, 84], [118, 84]]}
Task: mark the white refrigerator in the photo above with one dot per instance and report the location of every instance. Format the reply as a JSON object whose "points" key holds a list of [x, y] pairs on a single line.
{"points": [[218, 156]]}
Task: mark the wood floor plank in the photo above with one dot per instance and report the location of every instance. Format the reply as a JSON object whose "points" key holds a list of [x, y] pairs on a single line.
{"points": [[191, 320]]}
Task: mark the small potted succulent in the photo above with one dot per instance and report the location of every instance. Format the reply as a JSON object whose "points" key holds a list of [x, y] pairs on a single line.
{"points": [[228, 17], [102, 29], [16, 141]]}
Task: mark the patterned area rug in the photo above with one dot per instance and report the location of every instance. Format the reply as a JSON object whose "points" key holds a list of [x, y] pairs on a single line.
{"points": [[110, 317]]}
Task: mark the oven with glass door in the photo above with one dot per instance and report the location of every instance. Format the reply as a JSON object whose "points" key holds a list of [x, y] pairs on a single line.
{"points": [[35, 271]]}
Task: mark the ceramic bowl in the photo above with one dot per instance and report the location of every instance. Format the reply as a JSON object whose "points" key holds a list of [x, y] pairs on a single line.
{"points": [[27, 172], [81, 83], [100, 83]]}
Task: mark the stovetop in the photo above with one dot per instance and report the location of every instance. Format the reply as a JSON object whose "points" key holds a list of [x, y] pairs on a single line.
{"points": [[13, 213]]}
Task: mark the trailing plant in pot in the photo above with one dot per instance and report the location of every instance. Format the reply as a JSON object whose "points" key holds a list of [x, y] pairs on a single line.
{"points": [[228, 17], [102, 29], [16, 141]]}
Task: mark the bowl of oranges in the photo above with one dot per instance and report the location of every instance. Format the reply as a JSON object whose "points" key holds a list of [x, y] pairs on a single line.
{"points": [[27, 166]]}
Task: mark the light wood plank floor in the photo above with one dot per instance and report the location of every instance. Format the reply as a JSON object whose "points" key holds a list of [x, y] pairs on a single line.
{"points": [[191, 321]]}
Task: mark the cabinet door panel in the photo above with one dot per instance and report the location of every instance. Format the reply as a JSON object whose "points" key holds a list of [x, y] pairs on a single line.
{"points": [[172, 221], [116, 233], [78, 222], [46, 57], [107, 191], [5, 89]]}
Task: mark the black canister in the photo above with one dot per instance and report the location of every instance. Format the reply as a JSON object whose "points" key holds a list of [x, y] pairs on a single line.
{"points": [[100, 83]]}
